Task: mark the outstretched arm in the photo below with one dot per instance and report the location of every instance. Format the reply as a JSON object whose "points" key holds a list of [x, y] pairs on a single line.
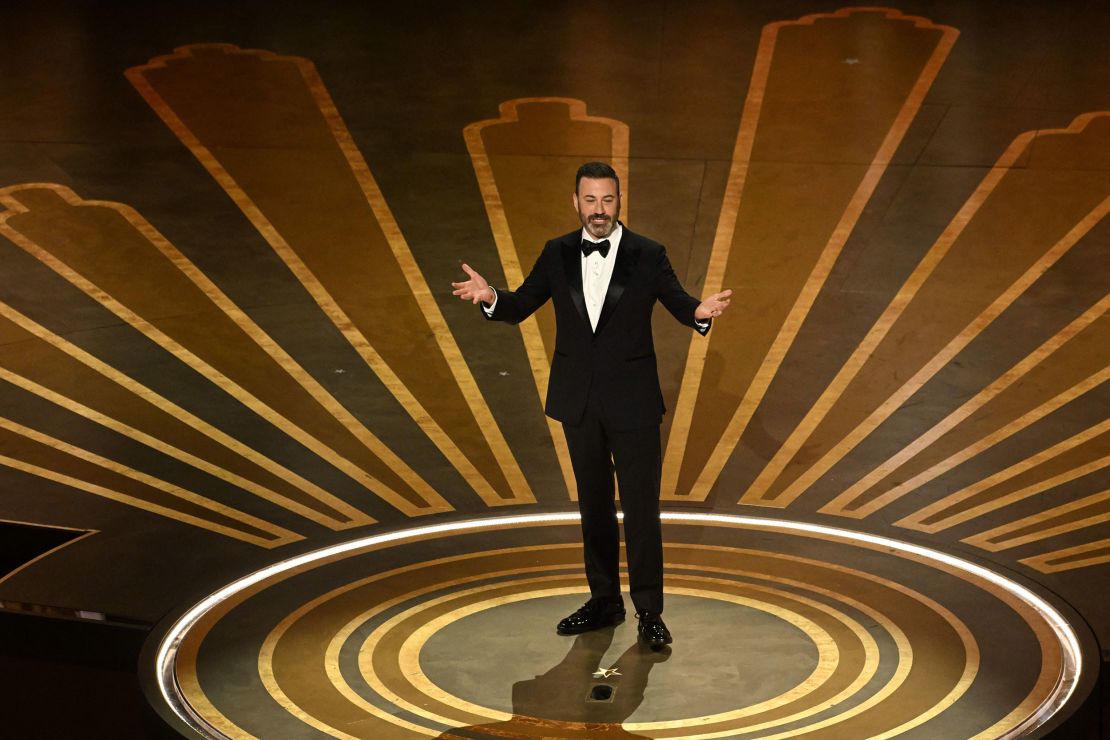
{"points": [[512, 306], [474, 289], [684, 306]]}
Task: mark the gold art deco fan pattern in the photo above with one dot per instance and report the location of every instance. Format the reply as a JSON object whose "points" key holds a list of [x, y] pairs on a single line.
{"points": [[821, 126]]}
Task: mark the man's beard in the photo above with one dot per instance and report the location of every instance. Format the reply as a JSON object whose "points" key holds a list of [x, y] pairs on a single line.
{"points": [[600, 229]]}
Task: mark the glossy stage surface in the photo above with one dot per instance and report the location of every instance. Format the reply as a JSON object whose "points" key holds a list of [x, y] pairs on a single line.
{"points": [[782, 630], [227, 339]]}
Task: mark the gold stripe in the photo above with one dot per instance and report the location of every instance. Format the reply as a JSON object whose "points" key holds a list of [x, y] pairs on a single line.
{"points": [[871, 659], [841, 503], [723, 241], [820, 676], [188, 682], [905, 650], [145, 439], [883, 325], [331, 661], [939, 360], [432, 501], [870, 667], [828, 652], [1050, 655], [366, 654], [42, 556], [683, 416], [865, 350], [427, 302], [996, 540], [331, 308], [185, 417], [1027, 419], [336, 642], [1051, 658], [920, 520], [281, 535], [1027, 710], [1086, 555], [538, 356], [177, 350]]}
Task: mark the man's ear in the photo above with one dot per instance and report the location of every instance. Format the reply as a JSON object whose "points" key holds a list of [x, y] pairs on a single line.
{"points": [[574, 197]]}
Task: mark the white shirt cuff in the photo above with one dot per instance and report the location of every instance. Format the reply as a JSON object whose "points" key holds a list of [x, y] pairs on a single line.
{"points": [[489, 309]]}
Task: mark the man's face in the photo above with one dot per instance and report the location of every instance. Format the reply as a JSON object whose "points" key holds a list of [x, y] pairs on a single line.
{"points": [[598, 204]]}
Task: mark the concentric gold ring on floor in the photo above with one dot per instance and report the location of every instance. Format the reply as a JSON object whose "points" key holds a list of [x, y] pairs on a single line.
{"points": [[782, 629]]}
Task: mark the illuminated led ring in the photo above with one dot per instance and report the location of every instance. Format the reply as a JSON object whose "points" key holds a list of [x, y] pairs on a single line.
{"points": [[1071, 655]]}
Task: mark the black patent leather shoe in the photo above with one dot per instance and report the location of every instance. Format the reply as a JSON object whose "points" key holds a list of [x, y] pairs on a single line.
{"points": [[652, 630], [594, 614]]}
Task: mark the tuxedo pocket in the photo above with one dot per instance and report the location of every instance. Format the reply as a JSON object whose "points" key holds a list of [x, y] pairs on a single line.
{"points": [[638, 358]]}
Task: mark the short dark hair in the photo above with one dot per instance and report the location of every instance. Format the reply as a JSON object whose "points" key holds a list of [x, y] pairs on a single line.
{"points": [[596, 171]]}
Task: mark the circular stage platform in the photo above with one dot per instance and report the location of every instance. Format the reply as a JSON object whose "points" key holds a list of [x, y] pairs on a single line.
{"points": [[782, 629]]}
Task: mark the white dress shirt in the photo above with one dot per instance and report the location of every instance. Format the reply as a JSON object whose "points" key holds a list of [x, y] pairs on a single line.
{"points": [[597, 272]]}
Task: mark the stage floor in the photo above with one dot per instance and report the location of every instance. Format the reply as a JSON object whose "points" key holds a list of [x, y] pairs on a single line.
{"points": [[781, 630]]}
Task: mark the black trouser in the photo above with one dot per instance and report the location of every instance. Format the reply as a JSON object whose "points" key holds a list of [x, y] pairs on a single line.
{"points": [[596, 449]]}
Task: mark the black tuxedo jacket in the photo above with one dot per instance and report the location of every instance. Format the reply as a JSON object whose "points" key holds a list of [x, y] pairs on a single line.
{"points": [[619, 357]]}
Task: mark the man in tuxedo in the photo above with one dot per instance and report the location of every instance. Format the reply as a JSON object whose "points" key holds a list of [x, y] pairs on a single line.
{"points": [[603, 281]]}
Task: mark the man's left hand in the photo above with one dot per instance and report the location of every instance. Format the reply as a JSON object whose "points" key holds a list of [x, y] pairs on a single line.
{"points": [[713, 306]]}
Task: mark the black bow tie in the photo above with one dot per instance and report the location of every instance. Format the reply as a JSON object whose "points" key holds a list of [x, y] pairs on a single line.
{"points": [[588, 247]]}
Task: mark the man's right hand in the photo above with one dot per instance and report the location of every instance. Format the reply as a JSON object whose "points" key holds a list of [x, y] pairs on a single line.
{"points": [[475, 289]]}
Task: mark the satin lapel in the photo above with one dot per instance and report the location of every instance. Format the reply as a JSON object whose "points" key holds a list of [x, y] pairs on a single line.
{"points": [[572, 265], [627, 255]]}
